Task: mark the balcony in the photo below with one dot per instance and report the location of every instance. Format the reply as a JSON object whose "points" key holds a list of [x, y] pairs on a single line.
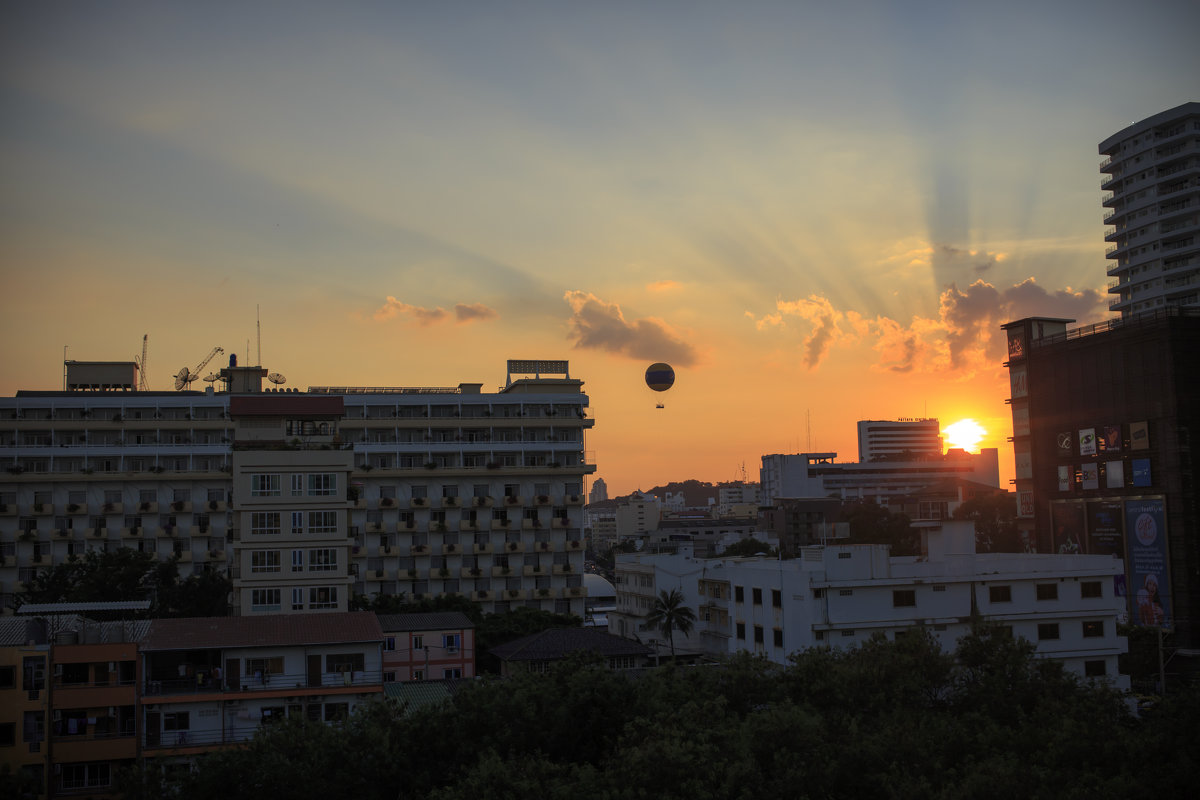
{"points": [[471, 573], [451, 549], [559, 523], [514, 594], [284, 683], [452, 502], [573, 500], [216, 505], [184, 556], [420, 502], [419, 550], [147, 507], [482, 549], [131, 533], [217, 555], [166, 532], [42, 509], [77, 508], [482, 502], [501, 571], [468, 525], [574, 544], [574, 591], [512, 500], [181, 507], [541, 500], [534, 570], [563, 569], [112, 508], [514, 547], [483, 596]]}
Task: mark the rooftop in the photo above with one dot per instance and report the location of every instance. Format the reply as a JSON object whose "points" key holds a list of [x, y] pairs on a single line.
{"points": [[268, 630]]}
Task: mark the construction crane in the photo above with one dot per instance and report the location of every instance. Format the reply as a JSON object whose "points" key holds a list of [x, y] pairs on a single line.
{"points": [[185, 376], [143, 376]]}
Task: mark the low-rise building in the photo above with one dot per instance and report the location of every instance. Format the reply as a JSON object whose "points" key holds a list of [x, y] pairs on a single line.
{"points": [[432, 646], [539, 651]]}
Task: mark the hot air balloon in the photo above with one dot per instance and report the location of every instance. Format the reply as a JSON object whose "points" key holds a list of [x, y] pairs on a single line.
{"points": [[660, 377]]}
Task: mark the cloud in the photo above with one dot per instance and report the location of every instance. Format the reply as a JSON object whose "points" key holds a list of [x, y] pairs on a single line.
{"points": [[597, 325], [470, 312], [663, 286], [962, 340], [463, 312]]}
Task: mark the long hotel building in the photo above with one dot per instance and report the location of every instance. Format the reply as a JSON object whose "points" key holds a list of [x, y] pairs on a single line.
{"points": [[307, 497]]}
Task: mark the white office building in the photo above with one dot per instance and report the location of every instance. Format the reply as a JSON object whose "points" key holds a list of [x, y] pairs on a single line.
{"points": [[839, 596], [812, 475], [899, 439], [307, 498], [1152, 199]]}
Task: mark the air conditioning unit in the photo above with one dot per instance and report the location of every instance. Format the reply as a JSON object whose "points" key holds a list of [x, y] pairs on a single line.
{"points": [[58, 670], [451, 649]]}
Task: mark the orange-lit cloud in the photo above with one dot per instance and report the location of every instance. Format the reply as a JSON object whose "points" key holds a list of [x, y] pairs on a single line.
{"points": [[463, 312], [663, 286], [963, 339], [597, 325]]}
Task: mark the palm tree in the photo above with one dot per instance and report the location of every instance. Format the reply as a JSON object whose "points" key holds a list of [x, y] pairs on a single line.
{"points": [[670, 615]]}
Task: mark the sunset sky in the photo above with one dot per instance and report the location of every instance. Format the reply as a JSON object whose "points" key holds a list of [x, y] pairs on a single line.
{"points": [[817, 212]]}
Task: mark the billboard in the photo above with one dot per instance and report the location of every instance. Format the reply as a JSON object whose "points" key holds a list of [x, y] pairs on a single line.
{"points": [[1068, 526], [1146, 535], [1106, 528]]}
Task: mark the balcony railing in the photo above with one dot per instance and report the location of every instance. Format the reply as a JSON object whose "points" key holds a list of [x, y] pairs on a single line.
{"points": [[281, 681]]}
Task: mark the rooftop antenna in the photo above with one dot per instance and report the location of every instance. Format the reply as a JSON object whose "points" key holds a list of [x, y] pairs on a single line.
{"points": [[143, 375], [258, 331], [64, 367], [808, 428]]}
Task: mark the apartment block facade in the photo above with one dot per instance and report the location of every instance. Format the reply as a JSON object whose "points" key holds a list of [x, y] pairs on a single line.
{"points": [[381, 490], [1152, 199]]}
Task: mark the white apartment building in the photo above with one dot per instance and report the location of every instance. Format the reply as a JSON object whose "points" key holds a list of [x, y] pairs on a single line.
{"points": [[839, 596], [638, 515], [901, 439], [639, 579], [811, 475], [1152, 182], [420, 490], [737, 498]]}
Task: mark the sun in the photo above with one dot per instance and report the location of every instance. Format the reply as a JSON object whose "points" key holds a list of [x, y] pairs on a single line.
{"points": [[966, 433]]}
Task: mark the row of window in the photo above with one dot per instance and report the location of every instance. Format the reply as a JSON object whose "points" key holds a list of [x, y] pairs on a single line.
{"points": [[756, 596], [313, 484], [270, 523], [320, 559], [319, 597]]}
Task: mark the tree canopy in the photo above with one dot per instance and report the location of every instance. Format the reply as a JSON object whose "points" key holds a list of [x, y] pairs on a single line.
{"points": [[898, 719], [128, 574]]}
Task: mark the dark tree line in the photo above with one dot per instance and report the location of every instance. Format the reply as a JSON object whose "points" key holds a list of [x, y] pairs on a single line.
{"points": [[888, 719]]}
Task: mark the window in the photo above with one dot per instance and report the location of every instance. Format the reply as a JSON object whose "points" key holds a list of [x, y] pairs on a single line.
{"points": [[845, 554], [297, 485], [904, 597], [778, 637], [34, 726], [389, 643], [1000, 594], [1095, 669], [297, 561], [263, 667], [84, 776], [322, 522], [34, 673], [322, 484], [322, 597], [175, 721], [756, 594], [389, 677], [264, 485], [845, 592], [939, 587], [450, 642], [739, 595], [1047, 591], [848, 632], [741, 631], [264, 523], [818, 594], [336, 712], [344, 662], [1093, 628], [322, 559], [8, 677], [265, 600], [297, 599], [264, 561], [1047, 631], [453, 672], [418, 643], [819, 636], [297, 522], [776, 598], [1090, 589], [419, 674]]}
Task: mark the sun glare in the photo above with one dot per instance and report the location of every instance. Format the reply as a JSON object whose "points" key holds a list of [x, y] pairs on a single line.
{"points": [[966, 433]]}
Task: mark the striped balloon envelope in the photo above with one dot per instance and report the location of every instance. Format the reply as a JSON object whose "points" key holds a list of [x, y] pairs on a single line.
{"points": [[660, 377]]}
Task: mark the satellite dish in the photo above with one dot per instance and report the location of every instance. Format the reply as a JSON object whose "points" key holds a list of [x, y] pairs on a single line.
{"points": [[183, 378], [210, 377], [276, 378]]}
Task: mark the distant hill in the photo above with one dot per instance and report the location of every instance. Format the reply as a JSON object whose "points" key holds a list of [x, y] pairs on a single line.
{"points": [[695, 493]]}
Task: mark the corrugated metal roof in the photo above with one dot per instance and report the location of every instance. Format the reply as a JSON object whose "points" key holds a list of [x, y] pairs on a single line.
{"points": [[431, 621], [83, 608], [415, 694], [200, 633], [555, 643]]}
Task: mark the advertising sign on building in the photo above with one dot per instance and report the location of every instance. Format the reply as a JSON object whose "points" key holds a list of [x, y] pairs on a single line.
{"points": [[1025, 504], [1091, 475], [1139, 436], [1106, 529], [1023, 463], [1016, 379], [1141, 472], [1065, 443], [1146, 536], [1087, 442], [1064, 478], [1020, 415], [1110, 439], [1068, 523], [1114, 475]]}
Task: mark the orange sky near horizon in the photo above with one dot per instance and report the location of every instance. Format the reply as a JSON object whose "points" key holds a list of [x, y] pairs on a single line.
{"points": [[815, 216]]}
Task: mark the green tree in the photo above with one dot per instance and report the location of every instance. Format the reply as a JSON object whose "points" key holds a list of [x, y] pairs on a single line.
{"points": [[748, 547], [871, 523], [669, 614]]}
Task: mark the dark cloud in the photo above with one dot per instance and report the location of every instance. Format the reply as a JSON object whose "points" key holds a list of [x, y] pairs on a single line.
{"points": [[463, 312], [470, 312], [597, 325]]}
